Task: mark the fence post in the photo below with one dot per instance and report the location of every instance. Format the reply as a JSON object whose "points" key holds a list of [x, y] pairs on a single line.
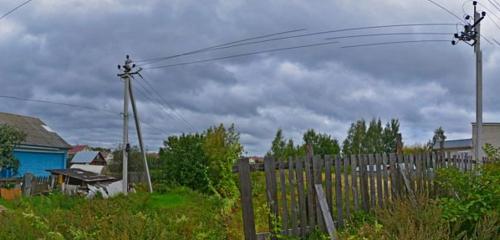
{"points": [[271, 193], [27, 184], [246, 200]]}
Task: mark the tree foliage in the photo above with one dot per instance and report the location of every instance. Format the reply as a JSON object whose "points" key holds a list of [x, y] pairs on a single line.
{"points": [[9, 138], [203, 161], [438, 139], [322, 144], [372, 139]]}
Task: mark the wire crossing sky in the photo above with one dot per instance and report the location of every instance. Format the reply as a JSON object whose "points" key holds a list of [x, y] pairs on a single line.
{"points": [[262, 65]]}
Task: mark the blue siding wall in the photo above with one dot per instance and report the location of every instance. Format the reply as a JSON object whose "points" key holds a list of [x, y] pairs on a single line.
{"points": [[38, 162]]}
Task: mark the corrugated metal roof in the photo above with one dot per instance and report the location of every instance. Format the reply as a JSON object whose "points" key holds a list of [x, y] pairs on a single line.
{"points": [[37, 133], [84, 157], [457, 143]]}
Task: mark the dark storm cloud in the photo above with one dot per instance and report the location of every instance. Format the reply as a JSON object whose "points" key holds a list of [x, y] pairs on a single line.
{"points": [[67, 51]]}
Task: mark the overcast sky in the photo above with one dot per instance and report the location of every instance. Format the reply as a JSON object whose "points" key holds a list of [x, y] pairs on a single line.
{"points": [[67, 51]]}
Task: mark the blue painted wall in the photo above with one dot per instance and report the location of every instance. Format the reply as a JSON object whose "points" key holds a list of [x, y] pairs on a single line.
{"points": [[37, 162]]}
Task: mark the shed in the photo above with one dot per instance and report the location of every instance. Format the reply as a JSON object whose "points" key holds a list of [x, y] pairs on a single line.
{"points": [[89, 157], [42, 149]]}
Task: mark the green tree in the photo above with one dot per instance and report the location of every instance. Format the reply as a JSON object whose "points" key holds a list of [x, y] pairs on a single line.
{"points": [[355, 142], [185, 162], [322, 144], [222, 148], [438, 139], [278, 146], [9, 138], [390, 136]]}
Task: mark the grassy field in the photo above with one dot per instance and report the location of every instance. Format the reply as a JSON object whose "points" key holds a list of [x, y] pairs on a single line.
{"points": [[178, 214]]}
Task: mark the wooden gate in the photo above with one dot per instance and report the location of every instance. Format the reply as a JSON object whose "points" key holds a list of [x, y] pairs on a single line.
{"points": [[303, 192]]}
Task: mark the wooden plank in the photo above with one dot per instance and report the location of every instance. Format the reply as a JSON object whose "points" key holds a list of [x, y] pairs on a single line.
{"points": [[385, 163], [299, 170], [272, 198], [418, 173], [327, 217], [365, 196], [394, 177], [354, 181], [317, 180], [328, 181], [347, 187], [310, 186], [294, 212], [371, 173], [338, 190], [284, 200], [246, 200], [378, 168], [411, 194]]}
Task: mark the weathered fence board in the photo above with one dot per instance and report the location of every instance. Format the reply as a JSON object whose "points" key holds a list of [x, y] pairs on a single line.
{"points": [[300, 191]]}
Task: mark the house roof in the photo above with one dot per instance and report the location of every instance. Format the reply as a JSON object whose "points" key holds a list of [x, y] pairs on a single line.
{"points": [[37, 132], [77, 148], [457, 143], [90, 168], [82, 175], [85, 157]]}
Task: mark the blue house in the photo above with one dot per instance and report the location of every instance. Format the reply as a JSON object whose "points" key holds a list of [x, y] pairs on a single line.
{"points": [[42, 149]]}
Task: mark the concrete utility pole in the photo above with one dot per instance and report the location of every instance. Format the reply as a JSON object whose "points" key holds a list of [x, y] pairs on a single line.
{"points": [[472, 36], [479, 87], [127, 75]]}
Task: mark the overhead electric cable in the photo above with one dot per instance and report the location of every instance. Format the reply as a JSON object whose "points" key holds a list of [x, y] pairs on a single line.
{"points": [[178, 114], [152, 60], [242, 55], [149, 93], [341, 30], [73, 106], [387, 34], [393, 43], [57, 103], [14, 9], [446, 9]]}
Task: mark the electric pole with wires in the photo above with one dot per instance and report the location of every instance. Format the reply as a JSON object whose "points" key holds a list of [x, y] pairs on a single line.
{"points": [[472, 36], [127, 75]]}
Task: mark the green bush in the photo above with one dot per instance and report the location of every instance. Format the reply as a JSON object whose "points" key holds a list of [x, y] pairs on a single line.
{"points": [[202, 162], [469, 196]]}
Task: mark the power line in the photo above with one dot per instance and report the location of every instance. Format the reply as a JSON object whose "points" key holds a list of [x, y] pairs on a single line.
{"points": [[178, 114], [242, 55], [165, 110], [446, 9], [57, 103], [393, 43], [73, 106], [14, 9], [157, 59], [341, 30], [388, 34], [494, 5]]}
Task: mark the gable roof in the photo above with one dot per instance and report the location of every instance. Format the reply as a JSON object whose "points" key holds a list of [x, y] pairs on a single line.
{"points": [[77, 148], [85, 157], [458, 143], [37, 132]]}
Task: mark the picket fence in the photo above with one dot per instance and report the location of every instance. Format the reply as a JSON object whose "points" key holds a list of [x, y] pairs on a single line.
{"points": [[323, 191]]}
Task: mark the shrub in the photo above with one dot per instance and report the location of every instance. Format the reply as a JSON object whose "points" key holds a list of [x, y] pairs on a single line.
{"points": [[469, 197], [202, 162]]}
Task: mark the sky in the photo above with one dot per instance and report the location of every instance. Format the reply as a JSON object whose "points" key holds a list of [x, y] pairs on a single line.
{"points": [[68, 52]]}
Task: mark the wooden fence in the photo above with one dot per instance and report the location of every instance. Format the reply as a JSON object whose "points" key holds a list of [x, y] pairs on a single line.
{"points": [[295, 187], [30, 184]]}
